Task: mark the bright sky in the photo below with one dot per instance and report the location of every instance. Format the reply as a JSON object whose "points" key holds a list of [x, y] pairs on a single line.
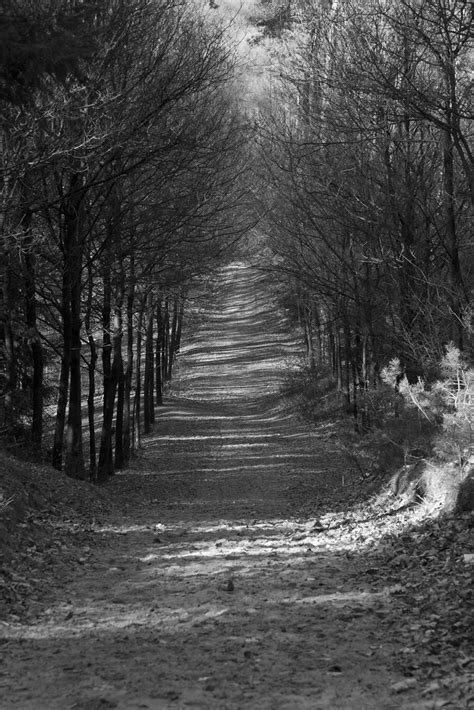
{"points": [[255, 59]]}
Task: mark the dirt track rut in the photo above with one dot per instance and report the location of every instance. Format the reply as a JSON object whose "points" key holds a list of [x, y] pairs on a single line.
{"points": [[209, 589]]}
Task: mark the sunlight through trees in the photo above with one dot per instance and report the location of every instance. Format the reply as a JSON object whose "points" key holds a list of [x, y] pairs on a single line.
{"points": [[123, 164]]}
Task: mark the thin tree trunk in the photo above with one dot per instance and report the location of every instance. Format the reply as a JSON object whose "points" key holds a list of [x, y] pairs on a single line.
{"points": [[138, 385], [158, 365], [179, 327], [91, 408], [127, 413], [105, 467], [165, 348], [148, 383], [33, 335], [63, 384], [9, 347], [348, 365], [91, 375], [69, 389], [61, 406], [7, 304], [119, 380], [338, 359], [308, 329], [452, 239], [73, 249], [173, 336], [74, 462]]}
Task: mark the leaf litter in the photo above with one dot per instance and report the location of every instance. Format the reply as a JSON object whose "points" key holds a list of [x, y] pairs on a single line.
{"points": [[284, 589]]}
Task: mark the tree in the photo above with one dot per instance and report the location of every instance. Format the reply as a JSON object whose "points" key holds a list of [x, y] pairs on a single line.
{"points": [[136, 148], [39, 48], [365, 198]]}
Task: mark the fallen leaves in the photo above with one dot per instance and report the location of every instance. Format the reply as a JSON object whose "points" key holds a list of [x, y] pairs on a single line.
{"points": [[41, 551], [402, 685], [434, 613]]}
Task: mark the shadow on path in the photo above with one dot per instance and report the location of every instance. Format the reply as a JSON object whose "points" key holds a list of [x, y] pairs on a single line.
{"points": [[207, 591]]}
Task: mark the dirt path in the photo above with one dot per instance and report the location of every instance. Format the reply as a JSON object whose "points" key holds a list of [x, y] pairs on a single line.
{"points": [[209, 591]]}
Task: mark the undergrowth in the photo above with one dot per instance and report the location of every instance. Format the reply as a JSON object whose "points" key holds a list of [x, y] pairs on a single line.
{"points": [[313, 393], [419, 437]]}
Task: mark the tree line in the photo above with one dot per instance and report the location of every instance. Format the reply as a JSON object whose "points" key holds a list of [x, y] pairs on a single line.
{"points": [[122, 183], [367, 180]]}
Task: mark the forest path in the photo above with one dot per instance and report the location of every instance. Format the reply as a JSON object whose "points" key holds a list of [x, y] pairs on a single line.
{"points": [[208, 590]]}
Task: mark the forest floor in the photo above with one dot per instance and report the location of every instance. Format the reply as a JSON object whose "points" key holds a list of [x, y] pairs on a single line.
{"points": [[240, 563]]}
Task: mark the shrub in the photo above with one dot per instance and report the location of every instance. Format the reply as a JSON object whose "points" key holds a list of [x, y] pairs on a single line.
{"points": [[313, 392], [448, 405]]}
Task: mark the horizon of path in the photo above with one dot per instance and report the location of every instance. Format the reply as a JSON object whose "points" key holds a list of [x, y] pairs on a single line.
{"points": [[210, 587]]}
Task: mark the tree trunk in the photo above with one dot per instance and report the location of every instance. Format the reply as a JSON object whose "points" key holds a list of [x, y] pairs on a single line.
{"points": [[9, 345], [179, 327], [158, 364], [73, 249], [138, 385], [308, 331], [119, 380], [105, 467], [148, 383], [33, 334], [91, 408], [91, 375], [452, 239], [127, 418], [337, 359], [74, 460], [69, 389], [348, 367], [173, 336], [63, 385], [7, 302], [166, 333]]}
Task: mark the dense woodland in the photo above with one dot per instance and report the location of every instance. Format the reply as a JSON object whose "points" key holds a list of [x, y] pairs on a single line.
{"points": [[131, 169], [367, 148], [237, 267], [123, 165]]}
